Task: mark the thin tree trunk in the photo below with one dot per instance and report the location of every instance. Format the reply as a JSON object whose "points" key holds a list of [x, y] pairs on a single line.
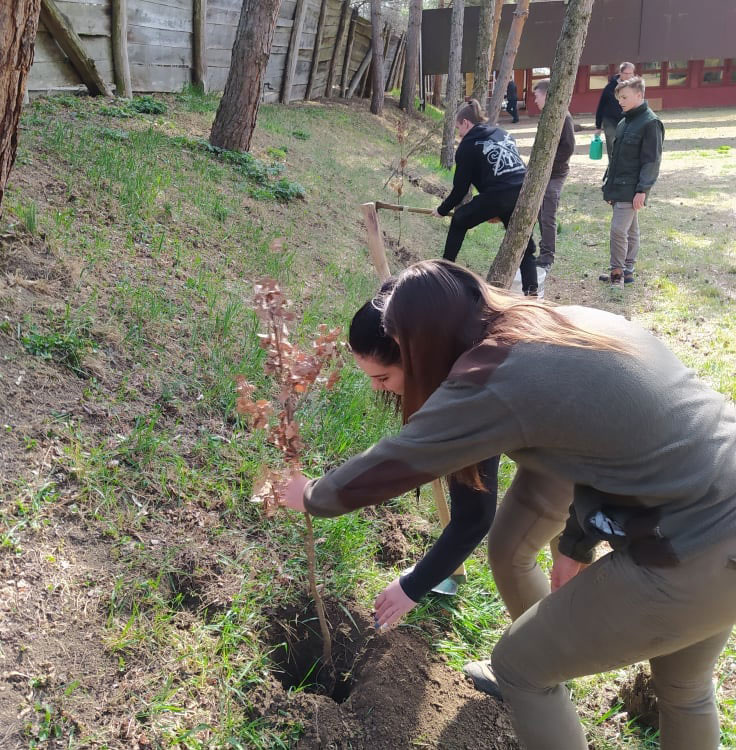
{"points": [[119, 41], [564, 69], [437, 81], [199, 44], [409, 81], [18, 26], [509, 55], [484, 51], [377, 43], [455, 84], [236, 116]]}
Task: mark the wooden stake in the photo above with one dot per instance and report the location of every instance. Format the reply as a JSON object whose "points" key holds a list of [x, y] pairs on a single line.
{"points": [[345, 77], [317, 44], [292, 56], [199, 44], [375, 241], [359, 73], [61, 30], [119, 41], [336, 48]]}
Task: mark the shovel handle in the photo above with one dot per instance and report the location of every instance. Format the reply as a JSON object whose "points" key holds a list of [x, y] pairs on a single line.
{"points": [[443, 512]]}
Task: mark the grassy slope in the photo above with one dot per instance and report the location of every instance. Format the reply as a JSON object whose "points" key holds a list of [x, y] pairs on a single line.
{"points": [[157, 243]]}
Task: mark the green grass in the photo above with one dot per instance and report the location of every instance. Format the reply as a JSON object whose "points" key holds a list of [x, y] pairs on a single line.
{"points": [[160, 238]]}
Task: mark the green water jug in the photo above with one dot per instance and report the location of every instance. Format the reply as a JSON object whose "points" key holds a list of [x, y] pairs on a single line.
{"points": [[596, 147]]}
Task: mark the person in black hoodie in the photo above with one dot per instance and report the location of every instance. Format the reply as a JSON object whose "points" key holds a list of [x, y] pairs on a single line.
{"points": [[609, 111], [488, 159]]}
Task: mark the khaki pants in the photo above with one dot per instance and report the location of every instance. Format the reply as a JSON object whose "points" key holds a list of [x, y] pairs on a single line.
{"points": [[532, 514], [612, 614], [624, 236]]}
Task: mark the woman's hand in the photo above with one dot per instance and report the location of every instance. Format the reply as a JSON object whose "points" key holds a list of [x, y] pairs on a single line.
{"points": [[391, 605], [436, 214], [564, 569], [294, 494]]}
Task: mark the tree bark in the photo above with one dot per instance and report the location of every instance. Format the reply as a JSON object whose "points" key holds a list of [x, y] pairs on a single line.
{"points": [[313, 68], [199, 44], [509, 55], [484, 51], [455, 84], [18, 26], [119, 41], [236, 116], [64, 35], [377, 44], [409, 81], [437, 82], [564, 69]]}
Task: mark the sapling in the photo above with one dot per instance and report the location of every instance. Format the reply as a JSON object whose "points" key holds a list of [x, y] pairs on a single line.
{"points": [[295, 373]]}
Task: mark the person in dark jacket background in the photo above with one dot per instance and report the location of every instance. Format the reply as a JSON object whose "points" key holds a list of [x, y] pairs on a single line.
{"points": [[560, 170], [634, 168], [609, 110], [488, 159], [512, 97]]}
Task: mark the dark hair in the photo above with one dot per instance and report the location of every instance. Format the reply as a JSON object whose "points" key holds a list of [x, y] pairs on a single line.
{"points": [[542, 85], [438, 310], [367, 337], [470, 111]]}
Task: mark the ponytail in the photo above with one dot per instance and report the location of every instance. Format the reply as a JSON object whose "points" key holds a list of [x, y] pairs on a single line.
{"points": [[470, 111]]}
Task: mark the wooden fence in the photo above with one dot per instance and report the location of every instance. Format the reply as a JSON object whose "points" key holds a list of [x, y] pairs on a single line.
{"points": [[320, 47]]}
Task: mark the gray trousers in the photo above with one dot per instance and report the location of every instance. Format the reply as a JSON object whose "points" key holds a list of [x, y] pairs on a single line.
{"points": [[609, 130], [616, 613], [624, 236], [548, 220]]}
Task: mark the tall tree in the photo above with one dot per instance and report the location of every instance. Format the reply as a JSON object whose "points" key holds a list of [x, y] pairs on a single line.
{"points": [[509, 55], [411, 66], [455, 86], [18, 26], [437, 82], [377, 70], [564, 70], [484, 51], [236, 116]]}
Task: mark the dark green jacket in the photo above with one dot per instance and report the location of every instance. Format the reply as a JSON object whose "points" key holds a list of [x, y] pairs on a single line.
{"points": [[637, 153]]}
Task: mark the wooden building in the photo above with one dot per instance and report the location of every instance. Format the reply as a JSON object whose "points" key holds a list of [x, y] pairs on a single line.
{"points": [[685, 51]]}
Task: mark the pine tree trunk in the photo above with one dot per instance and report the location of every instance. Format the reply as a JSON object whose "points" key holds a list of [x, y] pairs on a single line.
{"points": [[377, 72], [18, 26], [564, 69], [494, 34], [509, 55], [411, 66], [455, 84], [236, 116], [437, 82], [484, 51]]}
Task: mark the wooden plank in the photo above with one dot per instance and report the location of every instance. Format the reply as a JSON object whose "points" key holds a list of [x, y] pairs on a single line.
{"points": [[46, 49], [86, 19], [119, 42], [165, 37], [342, 26], [159, 77], [148, 54], [348, 56], [291, 58], [152, 16], [287, 9], [65, 36], [199, 44], [218, 15], [52, 74]]}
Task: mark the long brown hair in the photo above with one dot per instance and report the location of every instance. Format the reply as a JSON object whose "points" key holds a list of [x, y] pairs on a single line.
{"points": [[470, 111], [438, 310]]}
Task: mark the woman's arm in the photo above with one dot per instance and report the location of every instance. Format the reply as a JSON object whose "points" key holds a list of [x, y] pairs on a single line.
{"points": [[461, 181]]}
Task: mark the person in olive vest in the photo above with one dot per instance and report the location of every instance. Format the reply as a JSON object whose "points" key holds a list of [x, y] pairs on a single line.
{"points": [[634, 167]]}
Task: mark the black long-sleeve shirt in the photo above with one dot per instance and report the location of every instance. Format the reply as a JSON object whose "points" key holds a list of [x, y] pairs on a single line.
{"points": [[488, 159], [471, 516], [608, 106]]}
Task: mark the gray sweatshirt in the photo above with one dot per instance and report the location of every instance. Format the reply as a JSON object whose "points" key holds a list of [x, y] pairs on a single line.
{"points": [[650, 448]]}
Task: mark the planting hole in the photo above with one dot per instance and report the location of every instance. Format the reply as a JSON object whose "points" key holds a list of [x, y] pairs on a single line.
{"points": [[296, 644]]}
